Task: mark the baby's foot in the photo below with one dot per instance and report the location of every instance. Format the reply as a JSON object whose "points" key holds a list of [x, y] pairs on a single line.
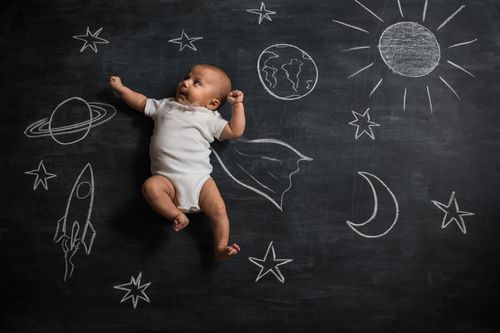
{"points": [[224, 252], [180, 222]]}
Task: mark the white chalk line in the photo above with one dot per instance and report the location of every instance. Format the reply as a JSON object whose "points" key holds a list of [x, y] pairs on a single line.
{"points": [[369, 11], [400, 9], [463, 43], [356, 48], [450, 17], [429, 96], [351, 26], [362, 69], [404, 101], [425, 11], [449, 86], [376, 87], [461, 68]]}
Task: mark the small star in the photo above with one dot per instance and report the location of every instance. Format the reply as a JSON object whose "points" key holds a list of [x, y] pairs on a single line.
{"points": [[455, 214], [138, 293], [41, 176], [91, 39], [271, 266], [184, 40], [262, 12], [366, 124]]}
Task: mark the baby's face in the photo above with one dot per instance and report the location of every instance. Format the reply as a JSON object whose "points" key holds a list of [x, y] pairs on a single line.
{"points": [[199, 88]]}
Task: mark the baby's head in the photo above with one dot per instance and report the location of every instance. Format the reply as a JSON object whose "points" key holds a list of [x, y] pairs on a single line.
{"points": [[204, 85]]}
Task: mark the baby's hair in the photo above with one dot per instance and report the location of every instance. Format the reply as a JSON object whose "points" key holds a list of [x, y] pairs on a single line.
{"points": [[225, 82]]}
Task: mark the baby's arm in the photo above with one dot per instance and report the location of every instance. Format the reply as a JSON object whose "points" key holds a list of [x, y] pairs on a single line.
{"points": [[133, 99], [236, 126]]}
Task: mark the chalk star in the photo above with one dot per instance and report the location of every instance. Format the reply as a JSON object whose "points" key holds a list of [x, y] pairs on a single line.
{"points": [[455, 214], [363, 121], [267, 266], [138, 290], [41, 176], [262, 12], [91, 39], [184, 40]]}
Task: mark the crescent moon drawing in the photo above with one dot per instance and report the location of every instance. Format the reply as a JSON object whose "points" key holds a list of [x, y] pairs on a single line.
{"points": [[356, 226]]}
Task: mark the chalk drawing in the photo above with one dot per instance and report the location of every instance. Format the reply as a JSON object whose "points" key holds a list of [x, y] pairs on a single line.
{"points": [[364, 123], [450, 17], [91, 39], [452, 213], [262, 12], [372, 180], [41, 175], [270, 265], [264, 166], [184, 40], [89, 115], [135, 290], [369, 11], [77, 217], [461, 68], [287, 72], [463, 43], [408, 49]]}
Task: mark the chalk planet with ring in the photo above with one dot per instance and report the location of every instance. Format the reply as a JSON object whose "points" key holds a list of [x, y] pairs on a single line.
{"points": [[98, 113]]}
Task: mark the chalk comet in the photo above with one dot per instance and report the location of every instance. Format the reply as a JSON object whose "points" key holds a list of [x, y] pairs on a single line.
{"points": [[264, 166]]}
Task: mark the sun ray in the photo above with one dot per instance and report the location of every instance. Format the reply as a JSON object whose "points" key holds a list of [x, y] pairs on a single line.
{"points": [[425, 10], [404, 101], [462, 69], [356, 48], [400, 9], [448, 85], [450, 17], [376, 87], [351, 26], [369, 11], [463, 43], [362, 69], [429, 96]]}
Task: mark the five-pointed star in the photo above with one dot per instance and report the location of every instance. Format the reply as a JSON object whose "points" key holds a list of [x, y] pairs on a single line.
{"points": [[363, 121], [269, 265], [91, 39], [262, 12], [41, 176], [455, 214], [134, 290], [184, 40]]}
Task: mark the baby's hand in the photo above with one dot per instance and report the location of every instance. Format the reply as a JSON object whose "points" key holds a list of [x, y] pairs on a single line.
{"points": [[115, 82], [235, 96]]}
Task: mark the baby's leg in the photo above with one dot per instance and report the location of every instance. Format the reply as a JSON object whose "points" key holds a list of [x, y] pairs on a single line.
{"points": [[213, 206], [160, 193]]}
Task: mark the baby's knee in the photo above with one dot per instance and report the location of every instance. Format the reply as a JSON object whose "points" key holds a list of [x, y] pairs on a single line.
{"points": [[219, 209], [151, 189]]}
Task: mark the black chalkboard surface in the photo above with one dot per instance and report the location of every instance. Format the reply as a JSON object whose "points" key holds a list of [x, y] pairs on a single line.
{"points": [[363, 193]]}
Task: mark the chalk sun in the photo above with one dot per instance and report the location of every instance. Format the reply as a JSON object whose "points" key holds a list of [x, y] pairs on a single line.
{"points": [[408, 49]]}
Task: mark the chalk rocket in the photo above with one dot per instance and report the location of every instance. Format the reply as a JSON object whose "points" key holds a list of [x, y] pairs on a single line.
{"points": [[77, 217]]}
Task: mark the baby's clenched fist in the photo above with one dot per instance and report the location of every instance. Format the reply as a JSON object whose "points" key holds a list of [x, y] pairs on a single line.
{"points": [[115, 82], [235, 96]]}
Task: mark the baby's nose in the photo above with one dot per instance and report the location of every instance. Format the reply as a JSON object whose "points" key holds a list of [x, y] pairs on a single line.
{"points": [[184, 83]]}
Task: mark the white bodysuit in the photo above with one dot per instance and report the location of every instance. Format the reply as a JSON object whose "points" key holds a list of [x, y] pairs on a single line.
{"points": [[180, 147]]}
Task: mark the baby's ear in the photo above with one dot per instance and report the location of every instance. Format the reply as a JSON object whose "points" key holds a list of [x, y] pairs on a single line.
{"points": [[214, 104]]}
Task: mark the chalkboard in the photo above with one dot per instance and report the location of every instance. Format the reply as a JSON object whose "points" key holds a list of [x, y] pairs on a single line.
{"points": [[363, 193]]}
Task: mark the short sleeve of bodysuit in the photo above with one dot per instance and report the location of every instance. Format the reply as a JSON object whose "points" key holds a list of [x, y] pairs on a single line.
{"points": [[217, 125], [152, 106]]}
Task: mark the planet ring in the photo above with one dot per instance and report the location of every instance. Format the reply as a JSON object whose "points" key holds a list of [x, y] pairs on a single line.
{"points": [[103, 112]]}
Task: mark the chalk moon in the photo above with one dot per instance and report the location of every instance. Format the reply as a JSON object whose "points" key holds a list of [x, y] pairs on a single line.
{"points": [[357, 227]]}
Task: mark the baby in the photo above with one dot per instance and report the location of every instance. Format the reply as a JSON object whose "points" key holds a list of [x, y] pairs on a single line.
{"points": [[180, 148]]}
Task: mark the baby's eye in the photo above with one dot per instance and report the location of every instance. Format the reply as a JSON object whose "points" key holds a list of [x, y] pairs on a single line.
{"points": [[196, 83]]}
